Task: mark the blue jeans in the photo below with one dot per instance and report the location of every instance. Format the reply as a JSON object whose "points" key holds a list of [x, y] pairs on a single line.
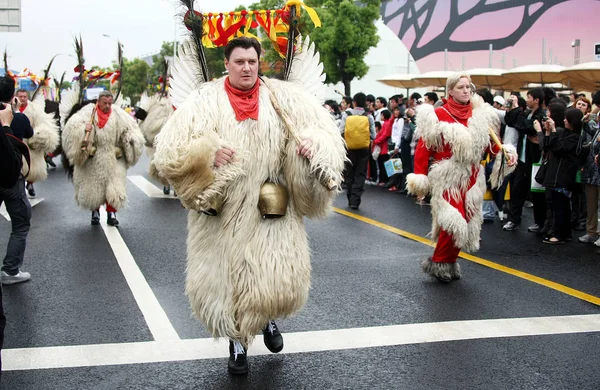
{"points": [[19, 209]]}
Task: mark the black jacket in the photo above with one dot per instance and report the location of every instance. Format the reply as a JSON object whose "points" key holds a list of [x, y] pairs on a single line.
{"points": [[10, 162], [561, 147], [517, 119]]}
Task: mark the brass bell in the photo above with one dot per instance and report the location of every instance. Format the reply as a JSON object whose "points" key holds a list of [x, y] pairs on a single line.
{"points": [[118, 152], [91, 150], [273, 200], [215, 207]]}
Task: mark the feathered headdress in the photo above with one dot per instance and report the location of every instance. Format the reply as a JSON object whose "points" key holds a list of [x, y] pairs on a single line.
{"points": [[194, 23], [6, 70], [80, 68], [164, 78], [45, 80], [119, 76]]}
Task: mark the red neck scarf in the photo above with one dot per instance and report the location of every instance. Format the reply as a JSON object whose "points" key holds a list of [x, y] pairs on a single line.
{"points": [[102, 117], [22, 108], [244, 103], [459, 111]]}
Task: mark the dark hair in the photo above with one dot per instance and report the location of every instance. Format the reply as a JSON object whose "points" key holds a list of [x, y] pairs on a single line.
{"points": [[596, 98], [370, 98], [521, 102], [394, 98], [20, 90], [378, 125], [432, 96], [537, 93], [557, 112], [7, 89], [386, 114], [415, 96], [334, 106], [549, 94], [382, 100], [558, 101], [575, 119], [486, 95], [360, 99], [244, 43], [348, 100]]}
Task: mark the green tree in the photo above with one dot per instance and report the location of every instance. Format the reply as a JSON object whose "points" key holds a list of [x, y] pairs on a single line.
{"points": [[347, 34], [135, 78], [214, 60]]}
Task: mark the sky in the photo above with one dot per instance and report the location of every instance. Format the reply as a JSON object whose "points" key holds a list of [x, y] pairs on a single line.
{"points": [[48, 27]]}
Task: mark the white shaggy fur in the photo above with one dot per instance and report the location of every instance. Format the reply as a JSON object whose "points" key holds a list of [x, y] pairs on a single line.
{"points": [[243, 270], [102, 178], [45, 139], [159, 110], [452, 176]]}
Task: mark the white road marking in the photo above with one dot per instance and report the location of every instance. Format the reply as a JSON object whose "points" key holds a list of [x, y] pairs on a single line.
{"points": [[153, 313], [33, 201], [149, 189], [301, 342]]}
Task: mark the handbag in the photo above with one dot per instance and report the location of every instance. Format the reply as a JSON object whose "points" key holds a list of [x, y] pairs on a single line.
{"points": [[538, 174], [376, 152]]}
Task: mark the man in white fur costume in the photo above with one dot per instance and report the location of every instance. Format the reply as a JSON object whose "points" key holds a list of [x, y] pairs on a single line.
{"points": [[101, 141], [447, 165], [153, 112], [45, 137], [222, 148]]}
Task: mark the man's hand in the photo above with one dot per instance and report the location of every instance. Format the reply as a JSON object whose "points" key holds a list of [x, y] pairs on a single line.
{"points": [[550, 126], [88, 127], [6, 116], [304, 148], [512, 159], [537, 126], [224, 156]]}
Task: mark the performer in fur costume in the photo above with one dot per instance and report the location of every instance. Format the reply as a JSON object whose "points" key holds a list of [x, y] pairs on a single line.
{"points": [[447, 165], [45, 137], [153, 112], [227, 150], [102, 141]]}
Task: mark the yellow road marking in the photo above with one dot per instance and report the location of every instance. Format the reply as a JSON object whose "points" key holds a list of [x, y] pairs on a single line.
{"points": [[490, 264]]}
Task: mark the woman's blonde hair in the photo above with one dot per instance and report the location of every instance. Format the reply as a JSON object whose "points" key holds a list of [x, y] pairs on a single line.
{"points": [[454, 79]]}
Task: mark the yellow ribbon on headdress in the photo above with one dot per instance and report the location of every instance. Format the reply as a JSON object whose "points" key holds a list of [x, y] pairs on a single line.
{"points": [[311, 12]]}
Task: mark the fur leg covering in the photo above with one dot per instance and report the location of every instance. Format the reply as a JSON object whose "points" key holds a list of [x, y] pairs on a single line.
{"points": [[441, 270]]}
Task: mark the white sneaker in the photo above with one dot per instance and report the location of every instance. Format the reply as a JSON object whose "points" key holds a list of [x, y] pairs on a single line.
{"points": [[18, 278], [597, 243]]}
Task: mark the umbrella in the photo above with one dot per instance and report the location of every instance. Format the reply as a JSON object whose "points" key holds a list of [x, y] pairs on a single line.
{"points": [[490, 77], [401, 80], [584, 76], [435, 78], [540, 73]]}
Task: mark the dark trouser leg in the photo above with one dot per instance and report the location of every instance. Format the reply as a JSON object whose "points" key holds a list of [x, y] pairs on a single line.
{"points": [[383, 177], [19, 209], [372, 168], [2, 324], [499, 194], [349, 174], [539, 208], [561, 207], [360, 161], [407, 163], [519, 190]]}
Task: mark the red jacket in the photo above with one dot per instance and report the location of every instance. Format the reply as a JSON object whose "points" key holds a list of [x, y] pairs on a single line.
{"points": [[384, 135]]}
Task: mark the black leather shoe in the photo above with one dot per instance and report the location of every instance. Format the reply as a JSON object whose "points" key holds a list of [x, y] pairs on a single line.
{"points": [[272, 337], [95, 217], [237, 364], [112, 219], [30, 189]]}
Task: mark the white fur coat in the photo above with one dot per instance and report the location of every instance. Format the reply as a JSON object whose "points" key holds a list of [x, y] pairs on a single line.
{"points": [[243, 270], [159, 110], [102, 178], [453, 175], [45, 139]]}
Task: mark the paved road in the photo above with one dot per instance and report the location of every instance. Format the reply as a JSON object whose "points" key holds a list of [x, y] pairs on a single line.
{"points": [[105, 308]]}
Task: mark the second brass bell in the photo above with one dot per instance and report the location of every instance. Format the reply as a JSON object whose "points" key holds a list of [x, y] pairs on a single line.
{"points": [[273, 200]]}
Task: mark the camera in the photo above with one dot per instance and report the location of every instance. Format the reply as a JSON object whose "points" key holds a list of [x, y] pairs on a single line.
{"points": [[544, 119]]}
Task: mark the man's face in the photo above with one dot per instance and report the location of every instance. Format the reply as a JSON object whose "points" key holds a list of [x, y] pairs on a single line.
{"points": [[427, 101], [243, 68], [105, 103], [22, 97], [378, 104], [393, 104], [498, 106], [532, 103]]}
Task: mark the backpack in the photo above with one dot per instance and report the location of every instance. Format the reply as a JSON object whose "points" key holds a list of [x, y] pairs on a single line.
{"points": [[357, 132]]}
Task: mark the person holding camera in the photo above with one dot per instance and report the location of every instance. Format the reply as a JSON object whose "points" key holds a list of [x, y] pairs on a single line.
{"points": [[15, 199], [559, 146]]}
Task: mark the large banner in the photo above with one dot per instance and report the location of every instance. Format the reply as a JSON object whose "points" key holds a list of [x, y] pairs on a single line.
{"points": [[521, 32]]}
